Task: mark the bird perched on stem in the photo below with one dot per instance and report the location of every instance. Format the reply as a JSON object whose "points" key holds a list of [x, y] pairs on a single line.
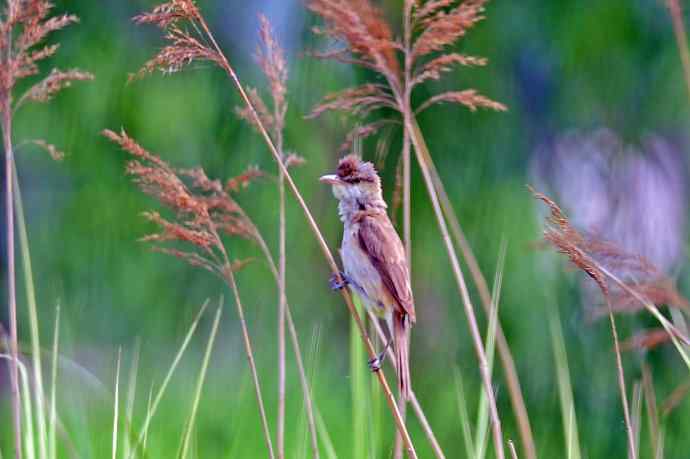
{"points": [[374, 258]]}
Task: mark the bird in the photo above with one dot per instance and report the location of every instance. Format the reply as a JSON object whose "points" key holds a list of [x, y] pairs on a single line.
{"points": [[374, 261]]}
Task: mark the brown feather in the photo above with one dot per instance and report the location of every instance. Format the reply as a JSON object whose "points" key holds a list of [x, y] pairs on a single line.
{"points": [[380, 241]]}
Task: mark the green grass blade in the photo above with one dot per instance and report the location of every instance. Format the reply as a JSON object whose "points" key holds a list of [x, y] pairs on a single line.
{"points": [[116, 403], [145, 440], [565, 391], [28, 419], [168, 377], [328, 445], [131, 395], [200, 384], [482, 429], [53, 386], [39, 394], [464, 416]]}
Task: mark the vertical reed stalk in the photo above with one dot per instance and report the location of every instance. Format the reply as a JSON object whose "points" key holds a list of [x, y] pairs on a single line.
{"points": [[37, 367], [632, 451], [281, 306], [510, 371], [317, 233], [230, 279], [6, 109], [422, 153]]}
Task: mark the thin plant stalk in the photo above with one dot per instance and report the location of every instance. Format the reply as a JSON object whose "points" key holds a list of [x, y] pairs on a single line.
{"points": [[621, 384], [677, 337], [421, 417], [482, 416], [420, 146], [636, 414], [6, 109], [39, 394], [230, 279], [507, 362], [511, 447], [199, 385], [281, 309], [53, 387], [681, 39], [306, 391], [116, 403], [319, 236], [151, 411]]}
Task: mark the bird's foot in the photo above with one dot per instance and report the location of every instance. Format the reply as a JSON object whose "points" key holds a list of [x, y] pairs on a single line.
{"points": [[338, 281], [376, 362]]}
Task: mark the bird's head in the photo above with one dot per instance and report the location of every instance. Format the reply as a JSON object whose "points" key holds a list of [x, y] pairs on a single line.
{"points": [[355, 182]]}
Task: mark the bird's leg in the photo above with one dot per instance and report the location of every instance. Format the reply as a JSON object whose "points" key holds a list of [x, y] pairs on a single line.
{"points": [[338, 281], [376, 362]]}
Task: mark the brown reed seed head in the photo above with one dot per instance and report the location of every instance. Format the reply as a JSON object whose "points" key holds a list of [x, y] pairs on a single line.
{"points": [[203, 208], [179, 19], [368, 40], [24, 25], [271, 60], [588, 253]]}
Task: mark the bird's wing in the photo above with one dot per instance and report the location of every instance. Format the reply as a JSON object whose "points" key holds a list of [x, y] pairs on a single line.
{"points": [[380, 241]]}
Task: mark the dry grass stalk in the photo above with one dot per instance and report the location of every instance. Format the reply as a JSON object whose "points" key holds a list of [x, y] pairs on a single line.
{"points": [[203, 210], [507, 361], [419, 412], [24, 25], [430, 28], [272, 62], [580, 249], [168, 16]]}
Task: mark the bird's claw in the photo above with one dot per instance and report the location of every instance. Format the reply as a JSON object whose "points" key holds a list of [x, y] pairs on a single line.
{"points": [[375, 363], [338, 281]]}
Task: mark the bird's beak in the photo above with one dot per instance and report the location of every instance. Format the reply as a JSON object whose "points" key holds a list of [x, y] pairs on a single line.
{"points": [[330, 179]]}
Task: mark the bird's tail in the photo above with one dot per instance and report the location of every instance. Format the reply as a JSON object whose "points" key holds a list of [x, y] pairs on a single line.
{"points": [[401, 336]]}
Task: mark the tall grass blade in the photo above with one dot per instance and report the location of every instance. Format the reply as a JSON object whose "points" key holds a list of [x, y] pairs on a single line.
{"points": [[53, 386], [161, 391], [144, 441], [131, 395], [470, 450], [25, 394], [200, 384], [481, 441], [636, 413], [660, 445], [565, 391], [325, 437], [25, 254], [651, 407], [116, 403]]}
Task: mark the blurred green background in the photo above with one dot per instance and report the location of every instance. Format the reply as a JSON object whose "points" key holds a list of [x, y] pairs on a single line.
{"points": [[557, 65]]}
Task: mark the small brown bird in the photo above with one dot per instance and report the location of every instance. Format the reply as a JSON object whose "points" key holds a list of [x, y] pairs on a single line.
{"points": [[374, 258]]}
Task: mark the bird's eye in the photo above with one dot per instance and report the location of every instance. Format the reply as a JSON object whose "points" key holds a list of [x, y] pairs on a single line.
{"points": [[361, 205]]}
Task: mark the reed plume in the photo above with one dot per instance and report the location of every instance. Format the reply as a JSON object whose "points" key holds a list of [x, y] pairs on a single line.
{"points": [[271, 60], [423, 53], [608, 265], [188, 39], [24, 27]]}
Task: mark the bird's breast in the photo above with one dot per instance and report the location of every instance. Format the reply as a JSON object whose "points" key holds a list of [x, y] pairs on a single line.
{"points": [[361, 272]]}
